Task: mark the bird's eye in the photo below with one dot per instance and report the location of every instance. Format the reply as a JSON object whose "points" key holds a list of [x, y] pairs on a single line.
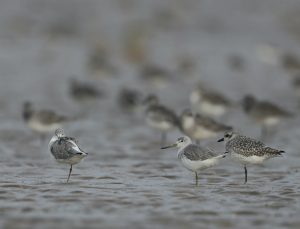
{"points": [[226, 135]]}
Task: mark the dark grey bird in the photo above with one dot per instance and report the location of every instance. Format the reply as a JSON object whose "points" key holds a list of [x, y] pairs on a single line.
{"points": [[42, 121], [66, 150], [160, 117], [246, 150], [193, 157], [84, 92], [265, 113], [129, 99], [155, 75]]}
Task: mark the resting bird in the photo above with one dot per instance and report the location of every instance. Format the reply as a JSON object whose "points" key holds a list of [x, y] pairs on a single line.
{"points": [[65, 150]]}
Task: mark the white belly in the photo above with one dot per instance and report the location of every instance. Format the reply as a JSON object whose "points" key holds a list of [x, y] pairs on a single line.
{"points": [[199, 165], [43, 128], [247, 160], [163, 126], [202, 133], [71, 161], [212, 109], [272, 121]]}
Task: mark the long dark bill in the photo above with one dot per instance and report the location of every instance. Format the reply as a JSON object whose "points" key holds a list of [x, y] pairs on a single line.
{"points": [[171, 146]]}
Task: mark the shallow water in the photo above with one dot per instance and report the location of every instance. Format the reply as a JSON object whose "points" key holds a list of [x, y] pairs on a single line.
{"points": [[127, 181]]}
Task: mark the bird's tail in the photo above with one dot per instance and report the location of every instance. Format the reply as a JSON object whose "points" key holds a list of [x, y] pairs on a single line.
{"points": [[274, 152]]}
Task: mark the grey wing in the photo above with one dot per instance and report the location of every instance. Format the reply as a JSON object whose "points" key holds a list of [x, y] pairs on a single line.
{"points": [[49, 117], [196, 153], [63, 149], [160, 114], [247, 146], [210, 123]]}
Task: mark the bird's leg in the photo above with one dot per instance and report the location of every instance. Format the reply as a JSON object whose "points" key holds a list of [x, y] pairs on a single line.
{"points": [[196, 178], [245, 173], [69, 174], [163, 138]]}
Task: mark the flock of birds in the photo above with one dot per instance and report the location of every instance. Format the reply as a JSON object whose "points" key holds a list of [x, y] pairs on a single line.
{"points": [[199, 123]]}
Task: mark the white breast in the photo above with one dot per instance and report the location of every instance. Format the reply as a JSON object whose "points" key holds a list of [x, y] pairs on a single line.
{"points": [[199, 165], [247, 160]]}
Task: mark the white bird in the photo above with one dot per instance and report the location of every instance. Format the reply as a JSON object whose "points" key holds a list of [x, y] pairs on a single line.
{"points": [[193, 157]]}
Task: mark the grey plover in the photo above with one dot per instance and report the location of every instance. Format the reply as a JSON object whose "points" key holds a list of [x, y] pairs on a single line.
{"points": [[246, 150], [84, 92], [200, 127], [264, 113], [42, 121], [193, 157], [160, 117], [129, 99], [209, 102], [65, 150]]}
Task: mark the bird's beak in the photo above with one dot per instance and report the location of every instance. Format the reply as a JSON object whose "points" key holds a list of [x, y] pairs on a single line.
{"points": [[221, 140], [171, 146]]}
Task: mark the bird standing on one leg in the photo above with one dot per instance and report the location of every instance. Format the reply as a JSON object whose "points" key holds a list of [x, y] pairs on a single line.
{"points": [[65, 150]]}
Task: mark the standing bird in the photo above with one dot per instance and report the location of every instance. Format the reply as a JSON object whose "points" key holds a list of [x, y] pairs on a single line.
{"points": [[209, 102], [200, 127], [160, 117], [246, 150], [42, 121], [65, 150], [264, 113], [84, 92], [193, 157], [129, 99]]}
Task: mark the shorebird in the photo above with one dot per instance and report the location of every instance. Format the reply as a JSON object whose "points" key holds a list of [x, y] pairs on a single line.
{"points": [[84, 92], [246, 150], [42, 121], [155, 75], [209, 102], [65, 150], [99, 64], [129, 99], [264, 113], [200, 127], [160, 117], [291, 63], [193, 157]]}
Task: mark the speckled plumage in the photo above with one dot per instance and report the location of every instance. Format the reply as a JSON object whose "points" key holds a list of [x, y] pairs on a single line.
{"points": [[250, 147], [246, 150]]}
